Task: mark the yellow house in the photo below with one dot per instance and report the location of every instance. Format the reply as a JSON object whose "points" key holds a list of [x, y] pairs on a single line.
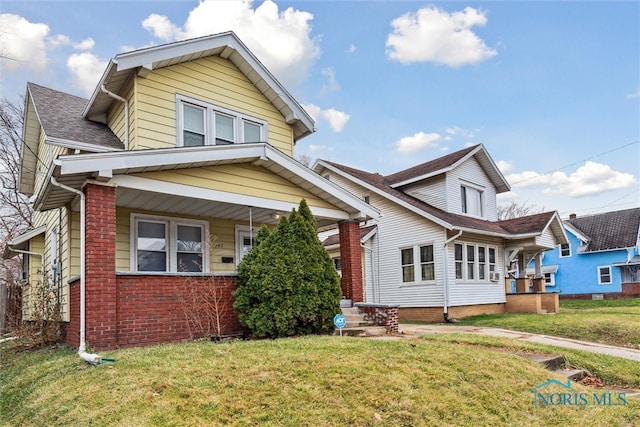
{"points": [[178, 143]]}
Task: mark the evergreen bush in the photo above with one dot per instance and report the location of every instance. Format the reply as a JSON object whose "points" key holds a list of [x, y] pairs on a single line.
{"points": [[287, 283]]}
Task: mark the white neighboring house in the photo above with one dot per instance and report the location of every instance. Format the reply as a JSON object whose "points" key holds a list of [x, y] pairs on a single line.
{"points": [[438, 249]]}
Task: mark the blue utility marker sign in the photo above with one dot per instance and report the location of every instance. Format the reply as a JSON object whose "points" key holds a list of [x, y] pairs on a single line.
{"points": [[340, 321]]}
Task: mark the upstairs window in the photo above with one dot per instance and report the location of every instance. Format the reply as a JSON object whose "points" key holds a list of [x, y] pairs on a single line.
{"points": [[200, 123], [472, 199], [565, 250]]}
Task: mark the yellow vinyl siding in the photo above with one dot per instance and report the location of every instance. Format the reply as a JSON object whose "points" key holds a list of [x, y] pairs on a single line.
{"points": [[244, 179], [212, 80], [222, 232], [115, 115], [32, 136], [41, 272]]}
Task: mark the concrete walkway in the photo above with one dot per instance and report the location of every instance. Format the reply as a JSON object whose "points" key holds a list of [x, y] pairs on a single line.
{"points": [[414, 331]]}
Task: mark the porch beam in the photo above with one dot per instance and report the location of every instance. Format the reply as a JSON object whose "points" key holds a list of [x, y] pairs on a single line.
{"points": [[161, 187]]}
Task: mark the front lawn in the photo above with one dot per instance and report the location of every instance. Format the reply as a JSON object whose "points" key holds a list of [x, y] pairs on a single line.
{"points": [[315, 381], [613, 322]]}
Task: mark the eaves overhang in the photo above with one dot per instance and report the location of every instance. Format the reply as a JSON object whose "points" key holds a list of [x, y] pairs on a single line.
{"points": [[74, 170], [21, 242], [383, 194], [225, 45]]}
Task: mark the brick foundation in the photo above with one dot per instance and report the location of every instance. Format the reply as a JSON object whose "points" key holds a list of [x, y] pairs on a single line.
{"points": [[435, 314], [154, 309], [629, 290], [532, 303]]}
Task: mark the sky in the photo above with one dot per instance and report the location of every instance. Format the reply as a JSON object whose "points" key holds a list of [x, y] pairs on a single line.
{"points": [[552, 89]]}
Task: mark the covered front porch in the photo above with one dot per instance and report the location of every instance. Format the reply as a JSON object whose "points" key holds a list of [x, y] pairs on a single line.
{"points": [[153, 226]]}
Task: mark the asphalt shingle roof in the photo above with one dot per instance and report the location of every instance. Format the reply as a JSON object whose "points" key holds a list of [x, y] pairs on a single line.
{"points": [[525, 225], [430, 166], [610, 230], [61, 117]]}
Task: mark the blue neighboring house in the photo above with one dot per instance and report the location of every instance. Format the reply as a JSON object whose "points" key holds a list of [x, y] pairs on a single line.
{"points": [[601, 258]]}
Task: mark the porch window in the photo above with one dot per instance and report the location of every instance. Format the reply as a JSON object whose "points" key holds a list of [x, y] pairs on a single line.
{"points": [[492, 261], [458, 258], [168, 244], [471, 262], [474, 262], [200, 123], [604, 275]]}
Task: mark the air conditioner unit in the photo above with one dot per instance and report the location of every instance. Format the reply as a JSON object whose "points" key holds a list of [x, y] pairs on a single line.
{"points": [[494, 276]]}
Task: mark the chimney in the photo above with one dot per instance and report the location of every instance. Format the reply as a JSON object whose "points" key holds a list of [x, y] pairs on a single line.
{"points": [[572, 216]]}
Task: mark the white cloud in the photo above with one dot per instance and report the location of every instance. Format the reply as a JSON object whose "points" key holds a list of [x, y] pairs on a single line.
{"points": [[351, 48], [87, 69], [504, 166], [417, 142], [58, 40], [86, 44], [434, 35], [280, 39], [332, 84], [590, 179], [162, 28], [22, 43], [337, 120]]}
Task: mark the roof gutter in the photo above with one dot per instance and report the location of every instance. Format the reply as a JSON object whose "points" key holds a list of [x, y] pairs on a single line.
{"points": [[126, 113], [94, 359]]}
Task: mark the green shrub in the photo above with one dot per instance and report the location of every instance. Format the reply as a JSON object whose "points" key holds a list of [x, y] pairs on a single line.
{"points": [[287, 284]]}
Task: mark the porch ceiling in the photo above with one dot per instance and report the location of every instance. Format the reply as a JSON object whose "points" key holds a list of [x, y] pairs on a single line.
{"points": [[167, 203]]}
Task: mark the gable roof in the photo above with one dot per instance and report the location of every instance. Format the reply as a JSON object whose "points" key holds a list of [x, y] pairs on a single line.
{"points": [[225, 45], [60, 115], [446, 163], [610, 230], [518, 228], [122, 168]]}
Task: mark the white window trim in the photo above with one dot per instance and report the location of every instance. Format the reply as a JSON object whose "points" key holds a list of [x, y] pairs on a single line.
{"points": [[476, 263], [599, 269], [552, 279], [417, 265], [209, 124], [172, 229], [560, 251], [482, 191]]}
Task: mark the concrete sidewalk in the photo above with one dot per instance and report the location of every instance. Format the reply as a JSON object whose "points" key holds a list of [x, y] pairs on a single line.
{"points": [[414, 331]]}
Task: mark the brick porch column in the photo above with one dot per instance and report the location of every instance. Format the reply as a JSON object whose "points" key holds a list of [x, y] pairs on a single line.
{"points": [[351, 260], [100, 267]]}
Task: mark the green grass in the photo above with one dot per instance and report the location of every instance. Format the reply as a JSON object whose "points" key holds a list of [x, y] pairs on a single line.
{"points": [[613, 322], [319, 381]]}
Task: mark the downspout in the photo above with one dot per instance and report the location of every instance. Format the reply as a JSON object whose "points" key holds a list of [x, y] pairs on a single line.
{"points": [[446, 276], [373, 276], [126, 113], [94, 359]]}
